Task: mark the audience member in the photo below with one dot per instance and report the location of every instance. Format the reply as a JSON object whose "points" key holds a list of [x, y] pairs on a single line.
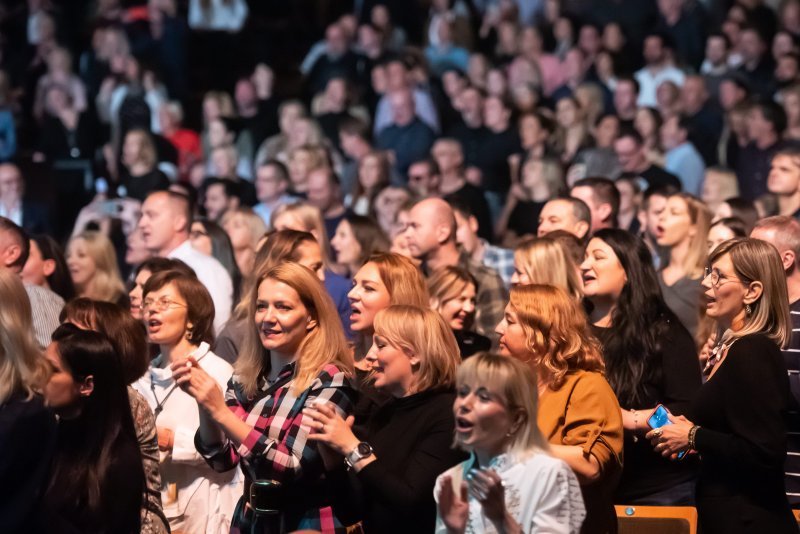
{"points": [[579, 415], [453, 293], [357, 238], [166, 224], [569, 214], [272, 184], [294, 355], [681, 157], [650, 360], [602, 197], [745, 364], [496, 410], [481, 251], [431, 235], [245, 230], [93, 267]]}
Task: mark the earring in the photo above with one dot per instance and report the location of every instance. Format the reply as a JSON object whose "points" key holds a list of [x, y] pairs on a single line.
{"points": [[747, 309], [189, 332]]}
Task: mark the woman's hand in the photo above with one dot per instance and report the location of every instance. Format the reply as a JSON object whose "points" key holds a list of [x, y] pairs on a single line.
{"points": [[328, 427], [453, 509], [487, 487], [669, 440], [166, 438], [192, 379]]}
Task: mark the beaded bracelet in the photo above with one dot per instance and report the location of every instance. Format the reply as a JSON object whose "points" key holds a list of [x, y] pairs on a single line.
{"points": [[692, 435]]}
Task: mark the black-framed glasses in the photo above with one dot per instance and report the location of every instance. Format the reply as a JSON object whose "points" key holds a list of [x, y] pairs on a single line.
{"points": [[717, 278], [162, 304]]}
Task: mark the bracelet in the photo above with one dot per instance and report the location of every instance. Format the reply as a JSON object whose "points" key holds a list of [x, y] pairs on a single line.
{"points": [[692, 436], [635, 415]]}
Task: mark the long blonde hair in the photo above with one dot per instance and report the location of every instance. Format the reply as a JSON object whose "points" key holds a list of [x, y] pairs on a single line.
{"points": [[695, 262], [324, 344], [22, 365], [517, 383], [421, 332], [755, 260], [545, 261], [106, 284], [403, 279], [556, 330]]}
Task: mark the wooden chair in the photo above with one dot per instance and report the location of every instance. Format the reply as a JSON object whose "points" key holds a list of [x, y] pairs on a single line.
{"points": [[656, 519]]}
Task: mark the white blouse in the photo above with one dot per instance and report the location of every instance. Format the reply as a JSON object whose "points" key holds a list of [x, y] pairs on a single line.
{"points": [[542, 495], [195, 497]]}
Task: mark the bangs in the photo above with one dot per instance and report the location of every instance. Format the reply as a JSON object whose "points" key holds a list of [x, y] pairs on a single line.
{"points": [[486, 373]]}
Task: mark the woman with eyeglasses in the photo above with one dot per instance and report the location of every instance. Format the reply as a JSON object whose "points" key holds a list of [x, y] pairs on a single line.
{"points": [[179, 315], [736, 421]]}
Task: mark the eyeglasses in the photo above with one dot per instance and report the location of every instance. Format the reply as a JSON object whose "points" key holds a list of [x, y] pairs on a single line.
{"points": [[162, 304], [717, 279]]}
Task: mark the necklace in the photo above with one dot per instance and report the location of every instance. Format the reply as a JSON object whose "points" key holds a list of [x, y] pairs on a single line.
{"points": [[716, 356]]}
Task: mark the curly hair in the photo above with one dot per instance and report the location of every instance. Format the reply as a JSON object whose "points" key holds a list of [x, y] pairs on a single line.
{"points": [[556, 330]]}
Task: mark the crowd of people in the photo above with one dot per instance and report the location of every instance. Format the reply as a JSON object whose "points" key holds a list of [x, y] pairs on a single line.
{"points": [[398, 266]]}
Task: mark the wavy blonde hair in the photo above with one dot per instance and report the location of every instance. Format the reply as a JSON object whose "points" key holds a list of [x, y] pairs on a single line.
{"points": [[423, 333], [22, 366], [545, 261], [447, 284], [516, 382], [755, 260], [106, 284], [556, 330], [323, 344]]}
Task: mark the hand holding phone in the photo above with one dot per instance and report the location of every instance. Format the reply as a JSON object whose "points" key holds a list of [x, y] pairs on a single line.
{"points": [[659, 418]]}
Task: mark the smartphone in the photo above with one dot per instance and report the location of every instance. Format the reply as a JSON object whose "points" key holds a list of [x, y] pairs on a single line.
{"points": [[112, 208], [659, 418]]}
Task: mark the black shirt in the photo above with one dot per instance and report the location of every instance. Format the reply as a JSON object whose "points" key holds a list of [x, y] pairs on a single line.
{"points": [[657, 177], [473, 197], [752, 169], [742, 441], [493, 159], [412, 438], [524, 218], [646, 472]]}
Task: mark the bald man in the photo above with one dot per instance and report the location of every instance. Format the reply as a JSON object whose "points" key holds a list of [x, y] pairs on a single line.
{"points": [[431, 237], [166, 219]]}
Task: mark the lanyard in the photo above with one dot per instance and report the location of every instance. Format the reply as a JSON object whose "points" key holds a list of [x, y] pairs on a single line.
{"points": [[160, 404]]}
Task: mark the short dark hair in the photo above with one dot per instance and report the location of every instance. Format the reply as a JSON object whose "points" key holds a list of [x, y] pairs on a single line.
{"points": [[665, 190], [280, 168], [355, 126], [631, 80], [628, 131], [199, 306], [605, 192], [433, 167], [772, 112], [231, 188], [20, 238], [720, 35]]}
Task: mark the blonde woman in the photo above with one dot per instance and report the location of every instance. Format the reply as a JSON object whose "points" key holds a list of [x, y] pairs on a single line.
{"points": [[307, 218], [93, 267], [139, 173], [23, 373], [681, 232], [579, 416], [719, 185], [453, 292], [543, 260], [736, 420], [245, 230], [293, 356], [510, 483], [407, 441]]}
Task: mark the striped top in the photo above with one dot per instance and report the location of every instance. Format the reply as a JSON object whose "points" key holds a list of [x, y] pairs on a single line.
{"points": [[791, 355]]}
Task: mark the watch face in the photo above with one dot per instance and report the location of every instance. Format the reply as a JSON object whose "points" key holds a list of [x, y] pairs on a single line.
{"points": [[364, 449]]}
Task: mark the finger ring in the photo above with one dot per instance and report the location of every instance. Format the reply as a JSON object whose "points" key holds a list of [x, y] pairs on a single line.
{"points": [[657, 432]]}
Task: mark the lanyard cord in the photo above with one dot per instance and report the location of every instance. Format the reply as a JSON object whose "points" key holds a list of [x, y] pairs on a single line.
{"points": [[160, 404]]}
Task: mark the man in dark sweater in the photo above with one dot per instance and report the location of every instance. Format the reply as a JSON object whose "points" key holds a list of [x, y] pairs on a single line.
{"points": [[408, 137], [629, 147], [766, 121]]}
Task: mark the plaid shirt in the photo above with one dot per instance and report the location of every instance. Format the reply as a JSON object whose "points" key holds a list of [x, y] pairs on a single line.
{"points": [[499, 259], [491, 298], [277, 447]]}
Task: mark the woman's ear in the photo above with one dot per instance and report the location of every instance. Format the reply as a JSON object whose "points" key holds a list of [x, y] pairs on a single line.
{"points": [[311, 324], [753, 292], [518, 421], [48, 267], [87, 386], [413, 358]]}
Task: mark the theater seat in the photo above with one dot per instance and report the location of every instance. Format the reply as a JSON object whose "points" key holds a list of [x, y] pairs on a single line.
{"points": [[656, 519]]}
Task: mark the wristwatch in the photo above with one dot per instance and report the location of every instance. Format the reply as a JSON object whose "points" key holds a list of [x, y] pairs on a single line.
{"points": [[362, 450]]}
